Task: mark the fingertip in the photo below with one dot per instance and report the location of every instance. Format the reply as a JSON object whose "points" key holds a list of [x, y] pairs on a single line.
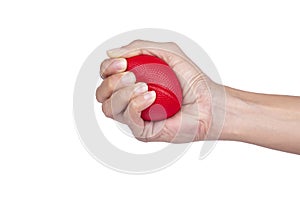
{"points": [[115, 53], [112, 66], [143, 101], [125, 51], [98, 95], [150, 96], [128, 78], [120, 64]]}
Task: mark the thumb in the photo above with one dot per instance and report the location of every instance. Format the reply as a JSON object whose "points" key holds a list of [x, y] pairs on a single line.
{"points": [[134, 48], [163, 50]]}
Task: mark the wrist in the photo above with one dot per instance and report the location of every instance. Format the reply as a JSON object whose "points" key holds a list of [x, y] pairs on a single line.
{"points": [[237, 109], [266, 120]]}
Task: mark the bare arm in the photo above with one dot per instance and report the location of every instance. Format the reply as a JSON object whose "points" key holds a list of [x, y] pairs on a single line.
{"points": [[271, 121]]}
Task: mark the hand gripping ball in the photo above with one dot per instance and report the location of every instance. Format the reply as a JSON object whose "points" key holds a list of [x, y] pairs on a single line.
{"points": [[160, 77]]}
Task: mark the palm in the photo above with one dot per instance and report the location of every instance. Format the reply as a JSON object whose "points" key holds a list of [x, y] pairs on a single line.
{"points": [[192, 122]]}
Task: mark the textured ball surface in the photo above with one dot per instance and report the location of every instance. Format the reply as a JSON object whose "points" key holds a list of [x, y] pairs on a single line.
{"points": [[161, 78]]}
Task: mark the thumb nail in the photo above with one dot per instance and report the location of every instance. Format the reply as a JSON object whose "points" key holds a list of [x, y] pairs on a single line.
{"points": [[117, 52]]}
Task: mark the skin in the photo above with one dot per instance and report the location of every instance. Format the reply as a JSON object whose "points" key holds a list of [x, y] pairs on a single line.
{"points": [[272, 121]]}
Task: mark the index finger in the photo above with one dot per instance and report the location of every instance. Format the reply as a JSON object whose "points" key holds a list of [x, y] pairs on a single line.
{"points": [[112, 66]]}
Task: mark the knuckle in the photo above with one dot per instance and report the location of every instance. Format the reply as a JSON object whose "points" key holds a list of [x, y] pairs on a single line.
{"points": [[134, 105], [107, 110], [103, 67], [110, 83], [128, 92], [145, 140], [136, 42], [172, 44], [99, 96]]}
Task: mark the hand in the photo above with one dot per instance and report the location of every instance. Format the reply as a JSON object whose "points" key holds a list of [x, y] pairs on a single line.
{"points": [[123, 99], [267, 120]]}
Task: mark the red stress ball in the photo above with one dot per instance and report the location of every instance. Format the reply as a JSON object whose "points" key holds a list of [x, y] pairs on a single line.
{"points": [[161, 78]]}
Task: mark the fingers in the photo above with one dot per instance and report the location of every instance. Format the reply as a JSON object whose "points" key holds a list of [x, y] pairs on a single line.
{"points": [[119, 100], [113, 69], [127, 108], [132, 114], [114, 83], [112, 66], [138, 104]]}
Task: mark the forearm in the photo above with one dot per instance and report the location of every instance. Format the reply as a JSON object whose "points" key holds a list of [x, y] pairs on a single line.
{"points": [[271, 121]]}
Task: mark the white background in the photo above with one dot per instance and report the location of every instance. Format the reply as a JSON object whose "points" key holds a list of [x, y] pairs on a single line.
{"points": [[255, 46]]}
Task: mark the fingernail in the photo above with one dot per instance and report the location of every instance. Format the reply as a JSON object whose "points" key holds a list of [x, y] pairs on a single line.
{"points": [[141, 88], [115, 52], [149, 95], [129, 77], [112, 50], [120, 64]]}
